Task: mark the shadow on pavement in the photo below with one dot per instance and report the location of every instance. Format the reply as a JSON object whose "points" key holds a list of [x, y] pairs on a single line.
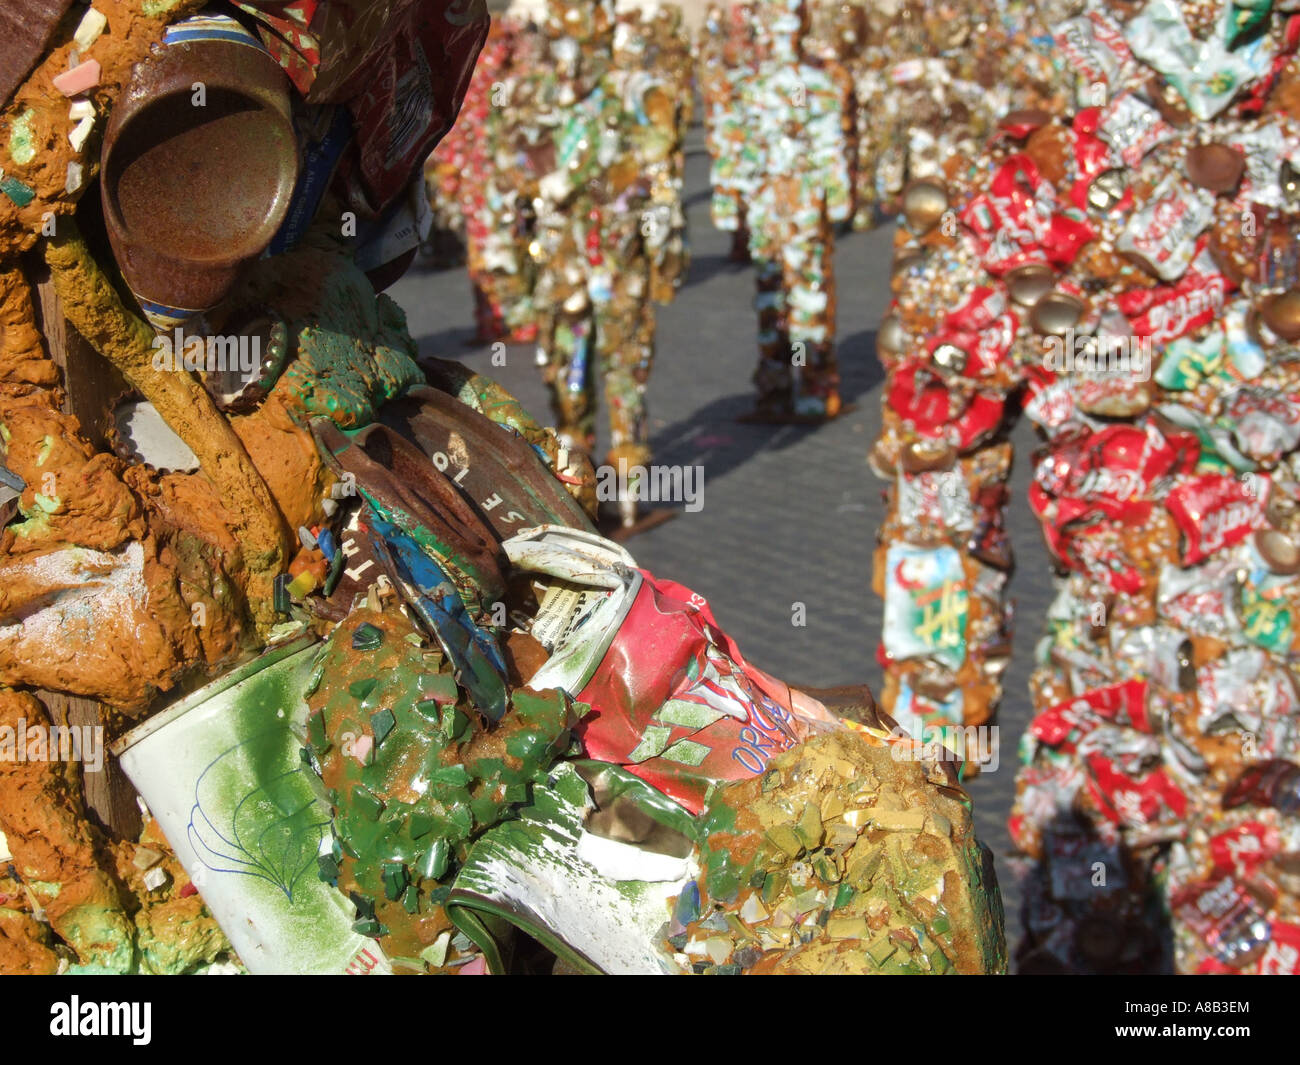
{"points": [[860, 370], [706, 267]]}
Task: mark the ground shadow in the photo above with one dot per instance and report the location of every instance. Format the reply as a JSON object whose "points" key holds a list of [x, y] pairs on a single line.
{"points": [[703, 196], [1102, 936], [712, 435], [706, 267], [860, 369]]}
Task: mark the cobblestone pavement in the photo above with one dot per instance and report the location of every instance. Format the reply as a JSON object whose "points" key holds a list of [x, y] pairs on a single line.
{"points": [[789, 514]]}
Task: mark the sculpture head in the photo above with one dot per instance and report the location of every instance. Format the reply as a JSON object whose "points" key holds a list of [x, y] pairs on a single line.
{"points": [[579, 20], [785, 23], [581, 33]]}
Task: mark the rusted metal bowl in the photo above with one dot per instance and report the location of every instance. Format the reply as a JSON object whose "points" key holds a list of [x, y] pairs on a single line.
{"points": [[198, 167]]}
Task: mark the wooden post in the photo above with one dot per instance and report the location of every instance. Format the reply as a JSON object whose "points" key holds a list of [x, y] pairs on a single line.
{"points": [[90, 386], [90, 382], [109, 796]]}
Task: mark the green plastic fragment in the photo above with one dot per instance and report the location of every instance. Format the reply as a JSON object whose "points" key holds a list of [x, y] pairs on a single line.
{"points": [[528, 747], [281, 600], [367, 637], [328, 868], [719, 818], [382, 723], [316, 735], [456, 776], [366, 803], [1245, 17], [434, 865], [723, 880], [456, 724], [396, 880], [21, 194], [334, 575], [485, 810], [369, 926], [436, 954], [462, 820]]}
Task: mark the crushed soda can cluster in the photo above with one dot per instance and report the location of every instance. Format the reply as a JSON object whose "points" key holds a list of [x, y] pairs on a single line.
{"points": [[1124, 268], [375, 694], [632, 826]]}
